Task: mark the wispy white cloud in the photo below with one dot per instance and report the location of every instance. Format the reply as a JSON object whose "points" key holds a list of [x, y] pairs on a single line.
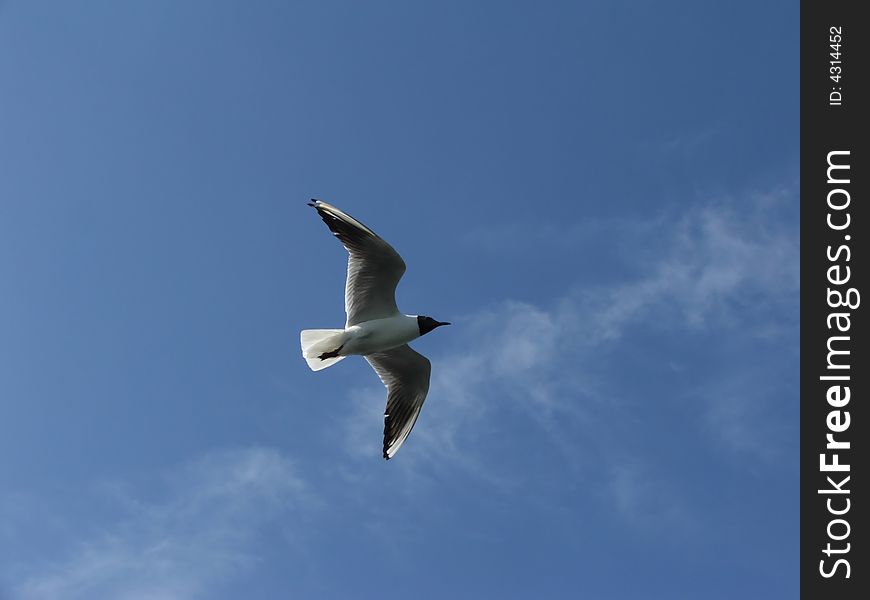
{"points": [[199, 533], [709, 263], [719, 265]]}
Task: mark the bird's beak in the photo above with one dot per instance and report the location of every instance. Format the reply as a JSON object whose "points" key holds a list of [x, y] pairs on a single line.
{"points": [[440, 324]]}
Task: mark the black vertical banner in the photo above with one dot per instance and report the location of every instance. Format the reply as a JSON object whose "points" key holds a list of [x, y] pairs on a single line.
{"points": [[835, 375]]}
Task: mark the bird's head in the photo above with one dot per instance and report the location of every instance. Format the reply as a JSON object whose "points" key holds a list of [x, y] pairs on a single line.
{"points": [[427, 324]]}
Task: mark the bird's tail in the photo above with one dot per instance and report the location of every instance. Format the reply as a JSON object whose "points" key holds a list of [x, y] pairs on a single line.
{"points": [[317, 342]]}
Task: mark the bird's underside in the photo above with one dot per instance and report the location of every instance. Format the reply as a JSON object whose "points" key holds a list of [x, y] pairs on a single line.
{"points": [[373, 271]]}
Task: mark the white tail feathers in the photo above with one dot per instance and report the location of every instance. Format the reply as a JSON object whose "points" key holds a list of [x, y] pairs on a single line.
{"points": [[318, 341]]}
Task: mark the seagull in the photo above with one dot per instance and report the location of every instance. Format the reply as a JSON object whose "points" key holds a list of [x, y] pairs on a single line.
{"points": [[375, 328]]}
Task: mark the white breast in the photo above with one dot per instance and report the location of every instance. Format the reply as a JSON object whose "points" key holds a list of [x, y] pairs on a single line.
{"points": [[380, 334]]}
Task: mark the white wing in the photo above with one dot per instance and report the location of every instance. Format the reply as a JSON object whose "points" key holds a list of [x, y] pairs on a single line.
{"points": [[373, 267], [406, 375]]}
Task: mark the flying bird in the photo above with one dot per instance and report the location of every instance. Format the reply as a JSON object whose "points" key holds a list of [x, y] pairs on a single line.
{"points": [[375, 328]]}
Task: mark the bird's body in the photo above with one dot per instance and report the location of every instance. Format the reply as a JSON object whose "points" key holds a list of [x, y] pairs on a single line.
{"points": [[375, 328], [379, 335]]}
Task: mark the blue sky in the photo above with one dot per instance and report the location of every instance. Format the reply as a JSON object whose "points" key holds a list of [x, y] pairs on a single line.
{"points": [[601, 196]]}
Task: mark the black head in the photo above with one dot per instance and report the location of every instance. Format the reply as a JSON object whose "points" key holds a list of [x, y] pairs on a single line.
{"points": [[427, 324]]}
